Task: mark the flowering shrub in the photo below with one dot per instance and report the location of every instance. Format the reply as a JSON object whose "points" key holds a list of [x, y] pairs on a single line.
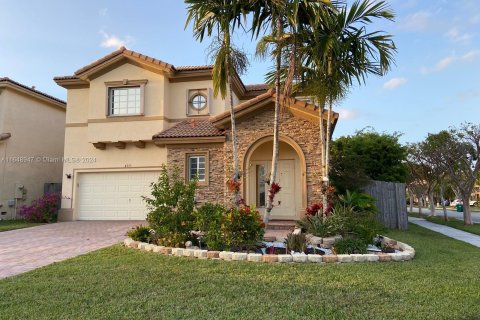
{"points": [[242, 227], [171, 208], [43, 209]]}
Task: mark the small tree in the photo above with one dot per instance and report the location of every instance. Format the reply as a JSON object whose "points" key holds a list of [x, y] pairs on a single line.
{"points": [[456, 153], [416, 185], [424, 172], [367, 155]]}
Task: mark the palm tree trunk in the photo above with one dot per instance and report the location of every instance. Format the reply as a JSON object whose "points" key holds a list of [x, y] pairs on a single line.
{"points": [[276, 122], [236, 175], [326, 179], [322, 157]]}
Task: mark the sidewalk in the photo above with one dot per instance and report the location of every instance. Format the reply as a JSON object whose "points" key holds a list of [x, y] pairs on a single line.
{"points": [[468, 237]]}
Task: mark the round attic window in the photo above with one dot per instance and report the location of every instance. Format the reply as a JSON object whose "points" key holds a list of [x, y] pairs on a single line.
{"points": [[199, 102]]}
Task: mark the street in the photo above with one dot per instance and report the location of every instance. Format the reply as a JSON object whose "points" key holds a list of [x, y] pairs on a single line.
{"points": [[451, 213]]}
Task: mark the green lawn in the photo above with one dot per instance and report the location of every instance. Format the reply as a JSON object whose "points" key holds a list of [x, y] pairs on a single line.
{"points": [[452, 222], [442, 282], [6, 225]]}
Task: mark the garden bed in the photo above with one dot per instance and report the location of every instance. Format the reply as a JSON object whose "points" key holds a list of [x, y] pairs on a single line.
{"points": [[403, 252]]}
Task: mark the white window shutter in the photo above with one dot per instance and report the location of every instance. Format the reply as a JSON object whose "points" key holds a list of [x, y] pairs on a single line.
{"points": [[187, 98], [209, 100]]}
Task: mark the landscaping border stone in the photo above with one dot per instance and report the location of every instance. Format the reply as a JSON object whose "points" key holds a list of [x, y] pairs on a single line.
{"points": [[405, 253]]}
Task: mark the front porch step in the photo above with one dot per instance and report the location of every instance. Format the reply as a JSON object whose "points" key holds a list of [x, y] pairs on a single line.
{"points": [[277, 229], [281, 225]]}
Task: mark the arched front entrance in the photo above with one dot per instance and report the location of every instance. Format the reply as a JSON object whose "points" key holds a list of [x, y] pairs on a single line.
{"points": [[291, 175]]}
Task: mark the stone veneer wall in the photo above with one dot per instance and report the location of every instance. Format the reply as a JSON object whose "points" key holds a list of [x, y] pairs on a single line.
{"points": [[214, 191], [305, 133]]}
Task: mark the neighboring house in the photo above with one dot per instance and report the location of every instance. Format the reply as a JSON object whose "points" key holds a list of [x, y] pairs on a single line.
{"points": [[476, 193], [32, 132], [129, 113]]}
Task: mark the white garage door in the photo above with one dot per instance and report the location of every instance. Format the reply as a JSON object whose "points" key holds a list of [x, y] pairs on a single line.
{"points": [[113, 195]]}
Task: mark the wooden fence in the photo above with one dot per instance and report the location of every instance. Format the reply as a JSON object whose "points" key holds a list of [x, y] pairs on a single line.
{"points": [[391, 203]]}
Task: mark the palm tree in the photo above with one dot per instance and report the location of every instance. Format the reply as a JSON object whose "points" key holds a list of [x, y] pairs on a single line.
{"points": [[219, 18], [340, 52], [284, 18]]}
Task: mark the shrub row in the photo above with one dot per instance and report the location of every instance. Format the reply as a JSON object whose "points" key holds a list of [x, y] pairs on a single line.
{"points": [[173, 216]]}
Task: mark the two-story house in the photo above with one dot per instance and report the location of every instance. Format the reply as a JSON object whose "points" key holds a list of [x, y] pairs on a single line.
{"points": [[129, 113], [32, 132]]}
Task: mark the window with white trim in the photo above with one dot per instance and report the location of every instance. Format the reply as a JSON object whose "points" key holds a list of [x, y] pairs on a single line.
{"points": [[124, 101], [197, 167]]}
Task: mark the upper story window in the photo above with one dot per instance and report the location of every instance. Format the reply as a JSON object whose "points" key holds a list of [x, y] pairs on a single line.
{"points": [[198, 102], [124, 101], [125, 98]]}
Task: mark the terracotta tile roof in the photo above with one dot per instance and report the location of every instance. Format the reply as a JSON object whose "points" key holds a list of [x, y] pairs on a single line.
{"points": [[252, 89], [193, 68], [257, 87], [6, 80], [191, 129], [269, 95], [245, 105], [123, 51], [66, 78]]}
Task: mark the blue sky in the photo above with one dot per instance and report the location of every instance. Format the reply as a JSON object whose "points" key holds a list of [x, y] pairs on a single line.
{"points": [[435, 83]]}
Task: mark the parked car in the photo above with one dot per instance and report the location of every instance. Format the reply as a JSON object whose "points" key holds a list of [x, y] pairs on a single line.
{"points": [[458, 201], [455, 202]]}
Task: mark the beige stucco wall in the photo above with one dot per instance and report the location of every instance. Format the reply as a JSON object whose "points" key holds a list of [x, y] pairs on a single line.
{"points": [[177, 98], [87, 122], [35, 149]]}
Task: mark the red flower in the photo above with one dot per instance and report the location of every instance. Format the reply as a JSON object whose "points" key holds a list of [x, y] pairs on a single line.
{"points": [[314, 209], [274, 189]]}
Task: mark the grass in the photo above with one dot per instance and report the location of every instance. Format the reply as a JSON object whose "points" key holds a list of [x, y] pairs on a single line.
{"points": [[118, 283], [7, 225], [452, 222]]}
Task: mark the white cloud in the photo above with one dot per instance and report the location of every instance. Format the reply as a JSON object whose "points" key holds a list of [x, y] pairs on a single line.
{"points": [[470, 56], [475, 19], [444, 63], [419, 20], [103, 12], [394, 83], [346, 114], [447, 61], [456, 35], [112, 41]]}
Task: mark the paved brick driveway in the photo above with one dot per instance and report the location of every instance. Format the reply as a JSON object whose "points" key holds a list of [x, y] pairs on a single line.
{"points": [[26, 249]]}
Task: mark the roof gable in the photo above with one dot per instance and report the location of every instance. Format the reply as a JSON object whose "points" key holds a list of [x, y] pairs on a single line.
{"points": [[119, 56], [32, 92], [297, 107], [83, 75]]}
